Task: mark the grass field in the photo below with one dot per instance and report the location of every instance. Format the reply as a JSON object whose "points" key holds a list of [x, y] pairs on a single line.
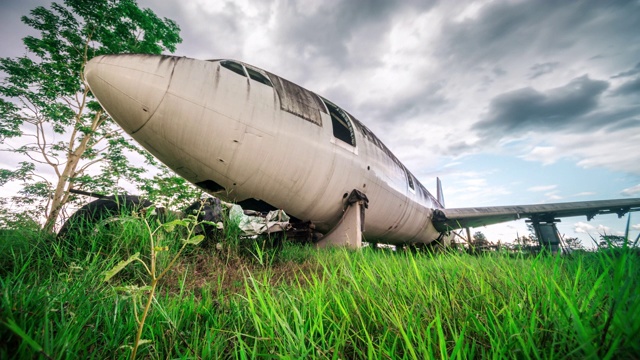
{"points": [[245, 301]]}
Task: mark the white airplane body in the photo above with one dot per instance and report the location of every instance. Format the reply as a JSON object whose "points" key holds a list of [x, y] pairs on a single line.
{"points": [[242, 133]]}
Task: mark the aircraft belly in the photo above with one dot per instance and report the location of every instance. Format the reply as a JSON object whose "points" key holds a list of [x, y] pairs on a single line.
{"points": [[248, 162], [294, 171], [178, 159], [396, 219]]}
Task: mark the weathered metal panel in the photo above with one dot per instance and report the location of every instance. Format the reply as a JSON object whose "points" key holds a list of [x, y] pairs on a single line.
{"points": [[297, 100]]}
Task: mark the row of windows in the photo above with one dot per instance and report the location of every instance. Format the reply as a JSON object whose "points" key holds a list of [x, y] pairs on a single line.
{"points": [[342, 126], [240, 70], [343, 130]]}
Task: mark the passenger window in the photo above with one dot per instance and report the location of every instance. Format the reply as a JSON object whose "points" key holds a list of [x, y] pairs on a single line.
{"points": [[233, 66], [342, 128], [254, 75]]}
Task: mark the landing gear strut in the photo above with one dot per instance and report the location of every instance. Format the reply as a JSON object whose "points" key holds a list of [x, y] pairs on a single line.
{"points": [[547, 234], [348, 232]]}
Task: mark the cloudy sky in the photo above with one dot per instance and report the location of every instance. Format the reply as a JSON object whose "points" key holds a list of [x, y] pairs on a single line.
{"points": [[508, 102]]}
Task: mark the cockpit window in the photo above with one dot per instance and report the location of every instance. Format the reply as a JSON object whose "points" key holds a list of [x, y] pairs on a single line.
{"points": [[342, 128], [233, 66], [254, 75], [411, 185]]}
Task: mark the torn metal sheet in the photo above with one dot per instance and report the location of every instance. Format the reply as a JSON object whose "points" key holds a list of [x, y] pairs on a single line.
{"points": [[275, 221]]}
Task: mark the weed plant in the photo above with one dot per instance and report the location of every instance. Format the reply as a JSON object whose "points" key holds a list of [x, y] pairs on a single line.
{"points": [[299, 302]]}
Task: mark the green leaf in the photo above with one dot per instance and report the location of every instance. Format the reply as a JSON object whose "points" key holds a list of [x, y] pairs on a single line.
{"points": [[170, 226], [218, 224], [23, 335], [195, 240], [132, 289], [121, 265]]}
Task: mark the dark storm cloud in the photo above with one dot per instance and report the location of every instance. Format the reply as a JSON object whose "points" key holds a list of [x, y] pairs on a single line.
{"points": [[456, 148], [635, 70], [12, 28], [538, 70], [11, 8], [397, 108], [629, 124], [631, 87], [344, 33], [506, 28], [610, 119], [545, 36], [498, 71], [527, 108], [208, 35]]}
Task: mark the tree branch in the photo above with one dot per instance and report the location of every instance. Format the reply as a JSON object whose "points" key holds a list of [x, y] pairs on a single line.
{"points": [[42, 144], [85, 166]]}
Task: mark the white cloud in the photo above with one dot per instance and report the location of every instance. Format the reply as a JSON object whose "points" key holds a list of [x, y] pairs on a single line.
{"points": [[602, 229], [584, 193], [595, 149], [583, 228], [553, 196], [541, 188], [544, 154], [631, 191], [470, 188]]}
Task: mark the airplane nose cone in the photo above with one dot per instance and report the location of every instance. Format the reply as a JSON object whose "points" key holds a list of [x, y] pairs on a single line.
{"points": [[129, 87]]}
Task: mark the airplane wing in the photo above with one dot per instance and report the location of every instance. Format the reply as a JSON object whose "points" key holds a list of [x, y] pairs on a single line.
{"points": [[451, 219]]}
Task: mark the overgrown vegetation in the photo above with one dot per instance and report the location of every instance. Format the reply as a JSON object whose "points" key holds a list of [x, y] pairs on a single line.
{"points": [[244, 299], [45, 104]]}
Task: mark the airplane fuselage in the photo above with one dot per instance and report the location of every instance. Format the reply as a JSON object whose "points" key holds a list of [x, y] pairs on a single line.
{"points": [[240, 132]]}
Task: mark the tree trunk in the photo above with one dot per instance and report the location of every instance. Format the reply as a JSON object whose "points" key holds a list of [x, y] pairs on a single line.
{"points": [[61, 190], [61, 193]]}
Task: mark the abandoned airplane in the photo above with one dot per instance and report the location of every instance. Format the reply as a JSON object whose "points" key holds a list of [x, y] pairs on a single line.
{"points": [[248, 136]]}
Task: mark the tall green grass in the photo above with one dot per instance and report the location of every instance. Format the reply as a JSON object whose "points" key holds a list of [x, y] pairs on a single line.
{"points": [[381, 305], [298, 302]]}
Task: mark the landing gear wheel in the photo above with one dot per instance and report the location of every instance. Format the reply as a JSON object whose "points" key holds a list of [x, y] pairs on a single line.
{"points": [[91, 214]]}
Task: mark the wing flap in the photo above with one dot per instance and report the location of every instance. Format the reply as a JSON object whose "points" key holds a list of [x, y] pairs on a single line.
{"points": [[451, 219]]}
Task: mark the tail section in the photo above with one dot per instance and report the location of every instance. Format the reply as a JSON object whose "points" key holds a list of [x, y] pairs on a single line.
{"points": [[439, 192]]}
